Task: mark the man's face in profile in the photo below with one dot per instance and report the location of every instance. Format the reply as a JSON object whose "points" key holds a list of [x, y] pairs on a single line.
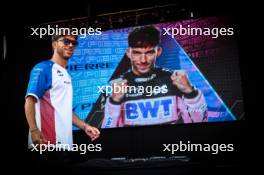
{"points": [[65, 46], [143, 59]]}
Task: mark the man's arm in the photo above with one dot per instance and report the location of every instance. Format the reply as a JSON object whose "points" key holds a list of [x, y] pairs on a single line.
{"points": [[91, 131], [195, 108], [192, 106], [30, 112], [36, 135], [112, 112], [113, 107]]}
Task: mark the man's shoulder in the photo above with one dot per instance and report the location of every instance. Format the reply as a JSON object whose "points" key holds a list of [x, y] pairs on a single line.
{"points": [[124, 75], [163, 71], [43, 65]]}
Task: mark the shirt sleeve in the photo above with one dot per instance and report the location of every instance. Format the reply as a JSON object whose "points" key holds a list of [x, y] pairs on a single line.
{"points": [[112, 114], [193, 109], [40, 81]]}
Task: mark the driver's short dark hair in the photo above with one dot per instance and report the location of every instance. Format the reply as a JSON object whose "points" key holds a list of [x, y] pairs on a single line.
{"points": [[147, 36], [57, 37]]}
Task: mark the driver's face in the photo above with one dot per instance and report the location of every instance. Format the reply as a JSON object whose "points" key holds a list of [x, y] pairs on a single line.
{"points": [[65, 46], [143, 59]]}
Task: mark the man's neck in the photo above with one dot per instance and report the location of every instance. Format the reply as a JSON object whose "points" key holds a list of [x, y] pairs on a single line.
{"points": [[59, 60], [139, 74]]}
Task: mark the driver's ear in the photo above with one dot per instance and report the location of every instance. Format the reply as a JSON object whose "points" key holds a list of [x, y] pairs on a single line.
{"points": [[54, 44], [128, 52], [159, 51]]}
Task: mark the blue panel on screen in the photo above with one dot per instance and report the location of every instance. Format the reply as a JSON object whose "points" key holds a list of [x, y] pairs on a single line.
{"points": [[174, 57], [92, 64]]}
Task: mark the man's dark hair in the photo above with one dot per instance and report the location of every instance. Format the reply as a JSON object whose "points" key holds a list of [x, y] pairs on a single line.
{"points": [[148, 36], [56, 37]]}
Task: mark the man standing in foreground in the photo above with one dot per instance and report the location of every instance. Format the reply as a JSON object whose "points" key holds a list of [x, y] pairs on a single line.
{"points": [[48, 104]]}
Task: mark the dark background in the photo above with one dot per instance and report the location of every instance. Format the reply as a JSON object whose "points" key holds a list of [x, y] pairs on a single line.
{"points": [[23, 51]]}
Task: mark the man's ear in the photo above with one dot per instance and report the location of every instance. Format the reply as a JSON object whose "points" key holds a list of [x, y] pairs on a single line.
{"points": [[159, 51], [128, 52], [54, 45]]}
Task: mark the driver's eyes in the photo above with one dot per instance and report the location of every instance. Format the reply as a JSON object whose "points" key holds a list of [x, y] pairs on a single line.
{"points": [[68, 42], [150, 53], [136, 53]]}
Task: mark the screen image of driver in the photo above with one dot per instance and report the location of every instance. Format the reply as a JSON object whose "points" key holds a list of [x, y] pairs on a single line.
{"points": [[151, 95]]}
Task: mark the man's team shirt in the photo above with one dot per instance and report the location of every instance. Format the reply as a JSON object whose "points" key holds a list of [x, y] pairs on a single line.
{"points": [[51, 85]]}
